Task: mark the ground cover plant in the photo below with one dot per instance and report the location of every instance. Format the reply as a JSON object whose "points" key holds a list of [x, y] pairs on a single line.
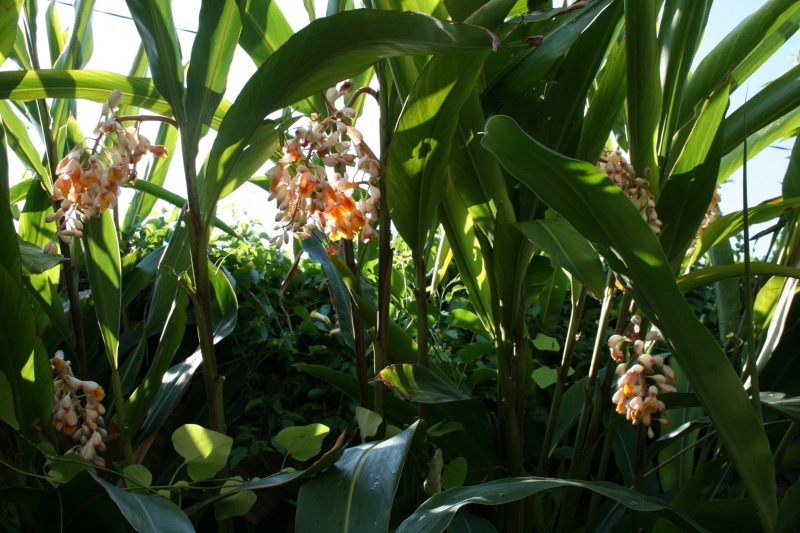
{"points": [[517, 307]]}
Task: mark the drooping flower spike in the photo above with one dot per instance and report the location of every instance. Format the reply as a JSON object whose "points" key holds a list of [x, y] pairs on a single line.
{"points": [[641, 377], [78, 410], [89, 182], [310, 198]]}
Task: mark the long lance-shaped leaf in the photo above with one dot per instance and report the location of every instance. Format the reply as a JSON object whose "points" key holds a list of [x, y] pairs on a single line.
{"points": [[768, 105], [435, 514], [143, 397], [101, 249], [644, 87], [732, 224], [604, 106], [8, 27], [20, 142], [156, 191], [416, 171], [23, 365], [302, 67], [534, 66], [91, 85], [153, 19], [604, 215], [569, 250], [418, 159], [782, 128], [711, 274], [678, 42], [212, 54], [466, 250], [356, 494], [690, 189], [737, 47], [264, 29], [76, 55]]}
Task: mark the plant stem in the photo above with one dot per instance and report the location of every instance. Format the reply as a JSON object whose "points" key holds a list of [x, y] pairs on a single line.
{"points": [[578, 305], [384, 243], [572, 495], [358, 330], [69, 268], [420, 293], [198, 246], [122, 416], [752, 364]]}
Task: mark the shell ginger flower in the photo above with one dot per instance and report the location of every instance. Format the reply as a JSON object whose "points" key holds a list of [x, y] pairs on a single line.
{"points": [[78, 410], [311, 197]]}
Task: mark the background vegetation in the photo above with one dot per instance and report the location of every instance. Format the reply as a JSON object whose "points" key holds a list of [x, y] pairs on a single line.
{"points": [[462, 368]]}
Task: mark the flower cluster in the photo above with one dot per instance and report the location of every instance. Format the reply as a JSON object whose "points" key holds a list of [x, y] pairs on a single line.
{"points": [[78, 402], [307, 197], [641, 376], [638, 189], [89, 184]]}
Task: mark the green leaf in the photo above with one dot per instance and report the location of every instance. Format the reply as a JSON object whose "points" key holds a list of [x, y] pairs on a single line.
{"points": [[317, 252], [224, 305], [34, 260], [7, 414], [460, 230], [8, 26], [137, 477], [327, 460], [604, 106], [732, 224], [301, 68], [569, 250], [534, 65], [692, 180], [147, 513], [402, 348], [712, 274], [437, 512], [368, 422], [19, 141], [419, 384], [546, 343], [466, 319], [157, 191], [420, 150], [644, 87], [303, 442], [101, 251], [61, 469], [212, 54], [94, 85], [782, 128], [143, 397], [264, 29], [778, 98], [598, 210], [693, 495], [454, 473], [173, 264], [739, 45], [356, 494], [678, 41], [153, 19], [203, 450], [789, 511], [239, 504]]}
